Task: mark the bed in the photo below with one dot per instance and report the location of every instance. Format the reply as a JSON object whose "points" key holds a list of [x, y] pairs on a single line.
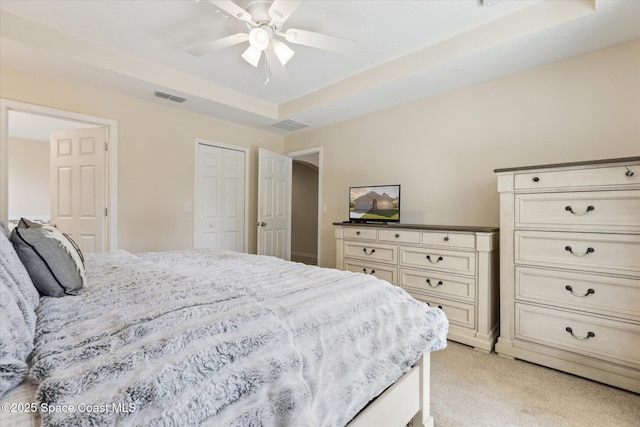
{"points": [[203, 337]]}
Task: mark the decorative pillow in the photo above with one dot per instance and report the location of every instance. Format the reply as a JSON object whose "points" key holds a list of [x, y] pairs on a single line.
{"points": [[16, 277], [52, 259], [16, 341], [4, 229]]}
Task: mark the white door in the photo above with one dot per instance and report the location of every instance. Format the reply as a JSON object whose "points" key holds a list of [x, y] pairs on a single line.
{"points": [[78, 193], [274, 204], [219, 218]]}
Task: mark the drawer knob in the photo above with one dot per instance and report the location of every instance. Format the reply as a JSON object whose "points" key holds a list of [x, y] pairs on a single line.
{"points": [[446, 238], [436, 285], [365, 271], [365, 251], [629, 172], [570, 209], [589, 291], [358, 233], [436, 261], [589, 334], [570, 250], [397, 235], [535, 179]]}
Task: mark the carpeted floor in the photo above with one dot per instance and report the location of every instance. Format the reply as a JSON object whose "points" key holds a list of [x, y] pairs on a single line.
{"points": [[471, 388]]}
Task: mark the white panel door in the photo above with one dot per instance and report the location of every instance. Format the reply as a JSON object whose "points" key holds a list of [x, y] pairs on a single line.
{"points": [[78, 193], [274, 204], [233, 209], [208, 212], [219, 218]]}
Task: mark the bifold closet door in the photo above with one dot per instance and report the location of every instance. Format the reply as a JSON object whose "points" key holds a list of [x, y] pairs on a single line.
{"points": [[220, 200]]}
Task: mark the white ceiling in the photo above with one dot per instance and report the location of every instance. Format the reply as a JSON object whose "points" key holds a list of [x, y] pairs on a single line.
{"points": [[407, 50]]}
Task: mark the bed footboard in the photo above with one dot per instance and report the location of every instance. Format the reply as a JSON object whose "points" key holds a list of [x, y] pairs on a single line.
{"points": [[406, 400]]}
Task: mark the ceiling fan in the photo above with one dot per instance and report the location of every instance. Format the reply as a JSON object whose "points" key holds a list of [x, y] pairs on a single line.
{"points": [[265, 20]]}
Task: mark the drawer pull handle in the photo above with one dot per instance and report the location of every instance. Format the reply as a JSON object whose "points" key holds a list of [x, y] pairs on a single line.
{"points": [[440, 307], [589, 334], [397, 235], [436, 261], [365, 251], [436, 285], [446, 238], [535, 179], [629, 172], [589, 291], [372, 271], [358, 233], [569, 249], [589, 209]]}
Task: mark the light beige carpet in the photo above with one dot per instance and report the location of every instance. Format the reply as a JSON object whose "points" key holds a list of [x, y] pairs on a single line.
{"points": [[471, 388]]}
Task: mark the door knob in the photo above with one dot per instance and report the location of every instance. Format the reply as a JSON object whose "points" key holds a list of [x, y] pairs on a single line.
{"points": [[263, 224]]}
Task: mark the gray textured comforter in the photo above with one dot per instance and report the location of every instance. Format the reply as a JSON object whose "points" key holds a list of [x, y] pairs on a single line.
{"points": [[225, 339]]}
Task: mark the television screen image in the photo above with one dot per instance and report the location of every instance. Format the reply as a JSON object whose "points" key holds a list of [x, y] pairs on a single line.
{"points": [[378, 203]]}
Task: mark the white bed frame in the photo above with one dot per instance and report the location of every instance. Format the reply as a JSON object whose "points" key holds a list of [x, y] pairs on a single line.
{"points": [[406, 400]]}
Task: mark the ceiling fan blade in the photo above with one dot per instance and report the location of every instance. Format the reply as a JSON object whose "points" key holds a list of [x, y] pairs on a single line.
{"points": [[208, 47], [320, 41], [233, 9], [281, 10]]}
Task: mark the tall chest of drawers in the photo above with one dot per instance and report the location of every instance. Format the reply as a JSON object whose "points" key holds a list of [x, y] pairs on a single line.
{"points": [[570, 268], [454, 268]]}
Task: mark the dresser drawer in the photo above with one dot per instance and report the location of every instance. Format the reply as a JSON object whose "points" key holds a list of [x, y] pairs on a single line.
{"points": [[381, 271], [360, 233], [435, 283], [614, 296], [614, 341], [454, 240], [615, 175], [596, 210], [401, 236], [457, 313], [371, 251], [610, 253], [438, 259]]}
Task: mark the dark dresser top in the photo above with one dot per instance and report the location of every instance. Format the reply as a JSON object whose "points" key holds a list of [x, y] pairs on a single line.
{"points": [[558, 165], [467, 228]]}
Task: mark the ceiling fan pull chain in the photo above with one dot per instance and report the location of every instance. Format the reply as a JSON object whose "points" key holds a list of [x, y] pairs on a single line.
{"points": [[266, 70]]}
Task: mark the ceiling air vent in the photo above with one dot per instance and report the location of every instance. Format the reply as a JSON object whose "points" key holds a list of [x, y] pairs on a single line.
{"points": [[289, 125], [170, 97]]}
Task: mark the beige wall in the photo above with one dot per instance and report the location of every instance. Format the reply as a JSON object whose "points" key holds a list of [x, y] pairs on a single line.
{"points": [[29, 179], [155, 155], [443, 149]]}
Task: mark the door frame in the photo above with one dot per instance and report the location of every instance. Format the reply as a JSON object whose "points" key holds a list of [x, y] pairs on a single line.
{"points": [[111, 169], [196, 188], [306, 152]]}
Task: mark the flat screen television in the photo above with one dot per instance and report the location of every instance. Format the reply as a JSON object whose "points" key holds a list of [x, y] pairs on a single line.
{"points": [[376, 203]]}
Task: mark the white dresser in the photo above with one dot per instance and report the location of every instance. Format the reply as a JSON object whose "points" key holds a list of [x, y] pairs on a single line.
{"points": [[570, 268], [454, 268]]}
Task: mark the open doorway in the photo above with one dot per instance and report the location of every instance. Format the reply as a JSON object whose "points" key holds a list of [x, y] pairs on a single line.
{"points": [[305, 203], [25, 148]]}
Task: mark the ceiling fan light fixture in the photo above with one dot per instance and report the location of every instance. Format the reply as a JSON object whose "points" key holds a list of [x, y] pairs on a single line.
{"points": [[259, 38], [252, 55], [283, 52]]}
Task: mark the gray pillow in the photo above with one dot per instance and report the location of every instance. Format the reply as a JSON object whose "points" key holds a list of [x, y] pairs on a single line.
{"points": [[52, 259]]}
